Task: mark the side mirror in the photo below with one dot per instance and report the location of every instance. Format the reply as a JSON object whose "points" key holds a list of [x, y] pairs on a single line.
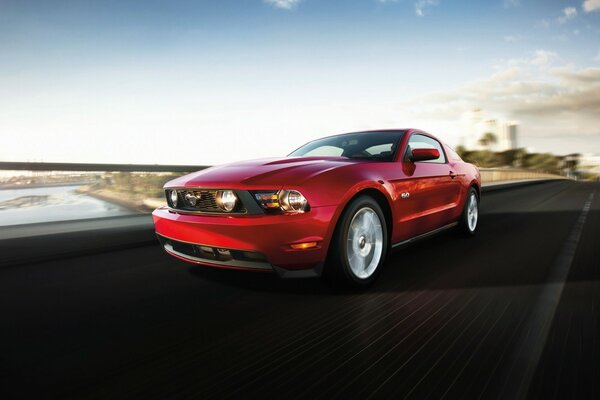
{"points": [[424, 154]]}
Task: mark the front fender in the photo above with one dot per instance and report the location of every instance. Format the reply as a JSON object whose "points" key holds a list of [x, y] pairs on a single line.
{"points": [[339, 186], [351, 193]]}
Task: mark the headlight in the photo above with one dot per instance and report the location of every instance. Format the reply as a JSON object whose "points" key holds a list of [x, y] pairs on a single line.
{"points": [[267, 200], [283, 200], [173, 197], [226, 200], [292, 200]]}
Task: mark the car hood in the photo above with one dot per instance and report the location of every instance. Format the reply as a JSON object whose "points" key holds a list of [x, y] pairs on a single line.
{"points": [[264, 173]]}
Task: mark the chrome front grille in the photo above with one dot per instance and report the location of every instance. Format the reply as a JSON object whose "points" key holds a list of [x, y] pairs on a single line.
{"points": [[199, 200]]}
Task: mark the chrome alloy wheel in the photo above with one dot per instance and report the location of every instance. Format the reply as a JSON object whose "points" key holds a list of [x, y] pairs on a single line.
{"points": [[365, 242], [472, 212]]}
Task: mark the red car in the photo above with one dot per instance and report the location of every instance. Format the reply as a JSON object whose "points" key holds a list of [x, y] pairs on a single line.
{"points": [[336, 205]]}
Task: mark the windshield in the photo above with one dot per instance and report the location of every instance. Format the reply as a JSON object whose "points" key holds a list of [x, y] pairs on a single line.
{"points": [[379, 146]]}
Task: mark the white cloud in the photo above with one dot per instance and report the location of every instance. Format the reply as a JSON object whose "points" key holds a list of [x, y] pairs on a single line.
{"points": [[543, 58], [511, 3], [591, 5], [549, 103], [568, 13], [510, 39], [569, 74], [284, 4], [539, 58], [545, 23], [422, 5]]}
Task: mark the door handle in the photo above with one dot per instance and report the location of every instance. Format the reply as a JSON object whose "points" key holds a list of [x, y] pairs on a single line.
{"points": [[453, 174]]}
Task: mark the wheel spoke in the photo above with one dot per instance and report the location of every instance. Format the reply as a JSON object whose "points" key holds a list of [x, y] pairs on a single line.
{"points": [[365, 242], [472, 212]]}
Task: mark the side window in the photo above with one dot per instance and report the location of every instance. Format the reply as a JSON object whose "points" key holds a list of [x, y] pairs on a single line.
{"points": [[453, 155], [425, 142], [381, 150]]}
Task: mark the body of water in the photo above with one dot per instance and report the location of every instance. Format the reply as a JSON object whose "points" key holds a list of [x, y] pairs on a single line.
{"points": [[58, 203]]}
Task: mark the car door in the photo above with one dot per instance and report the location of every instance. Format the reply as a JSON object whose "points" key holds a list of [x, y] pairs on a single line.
{"points": [[428, 196]]}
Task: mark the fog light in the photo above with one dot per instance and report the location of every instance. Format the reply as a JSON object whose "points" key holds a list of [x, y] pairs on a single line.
{"points": [[206, 249], [174, 197], [303, 246]]}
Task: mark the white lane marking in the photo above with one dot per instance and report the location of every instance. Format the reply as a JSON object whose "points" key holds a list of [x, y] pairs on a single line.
{"points": [[535, 334]]}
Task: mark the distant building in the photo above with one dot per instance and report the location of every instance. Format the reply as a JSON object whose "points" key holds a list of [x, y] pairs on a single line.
{"points": [[569, 164], [507, 136], [590, 163], [477, 123]]}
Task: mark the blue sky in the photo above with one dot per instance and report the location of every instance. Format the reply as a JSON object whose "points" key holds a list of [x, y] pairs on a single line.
{"points": [[124, 81]]}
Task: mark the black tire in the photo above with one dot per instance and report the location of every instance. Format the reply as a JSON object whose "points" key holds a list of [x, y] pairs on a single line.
{"points": [[338, 269], [465, 226]]}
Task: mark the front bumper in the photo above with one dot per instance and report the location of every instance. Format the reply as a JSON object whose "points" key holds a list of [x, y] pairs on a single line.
{"points": [[254, 242], [218, 256]]}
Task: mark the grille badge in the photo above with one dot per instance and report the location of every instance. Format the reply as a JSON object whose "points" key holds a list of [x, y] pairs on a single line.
{"points": [[193, 198]]}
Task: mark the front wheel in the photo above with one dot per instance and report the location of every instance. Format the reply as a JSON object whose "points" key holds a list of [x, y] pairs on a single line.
{"points": [[359, 245], [470, 217]]}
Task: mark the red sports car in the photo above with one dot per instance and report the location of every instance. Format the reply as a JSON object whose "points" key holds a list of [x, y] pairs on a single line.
{"points": [[336, 205]]}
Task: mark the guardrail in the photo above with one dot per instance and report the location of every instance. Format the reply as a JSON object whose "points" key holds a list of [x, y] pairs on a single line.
{"points": [[493, 175], [490, 174], [83, 167], [107, 190]]}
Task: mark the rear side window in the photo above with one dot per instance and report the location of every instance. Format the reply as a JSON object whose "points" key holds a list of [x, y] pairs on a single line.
{"points": [[425, 142], [453, 155]]}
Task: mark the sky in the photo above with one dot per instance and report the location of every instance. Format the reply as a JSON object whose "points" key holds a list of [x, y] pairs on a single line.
{"points": [[207, 82]]}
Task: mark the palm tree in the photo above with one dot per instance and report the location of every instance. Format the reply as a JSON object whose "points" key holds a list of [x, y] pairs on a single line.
{"points": [[488, 139]]}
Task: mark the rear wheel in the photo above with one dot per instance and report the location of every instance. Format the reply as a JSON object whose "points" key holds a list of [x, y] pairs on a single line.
{"points": [[470, 216], [359, 245]]}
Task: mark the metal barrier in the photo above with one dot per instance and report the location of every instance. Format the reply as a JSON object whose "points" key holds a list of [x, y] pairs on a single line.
{"points": [[79, 167], [493, 175], [119, 189]]}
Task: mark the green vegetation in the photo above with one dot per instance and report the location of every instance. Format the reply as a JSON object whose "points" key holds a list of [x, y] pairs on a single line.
{"points": [[517, 158], [137, 184], [488, 139]]}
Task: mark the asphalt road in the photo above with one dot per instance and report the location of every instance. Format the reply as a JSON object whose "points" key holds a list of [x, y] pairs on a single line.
{"points": [[513, 312]]}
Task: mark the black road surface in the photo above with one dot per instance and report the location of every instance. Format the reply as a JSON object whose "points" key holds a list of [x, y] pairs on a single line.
{"points": [[511, 313]]}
